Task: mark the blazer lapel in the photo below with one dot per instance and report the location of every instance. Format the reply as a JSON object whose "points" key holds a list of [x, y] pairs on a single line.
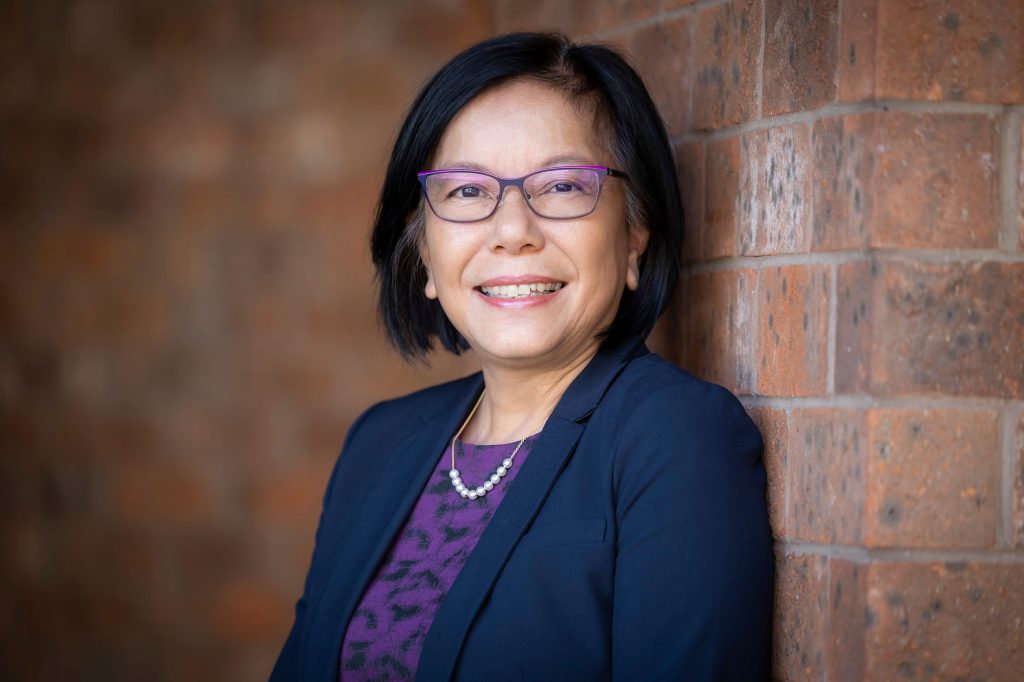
{"points": [[521, 503], [387, 502]]}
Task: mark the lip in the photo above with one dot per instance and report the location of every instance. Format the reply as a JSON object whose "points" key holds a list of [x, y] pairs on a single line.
{"points": [[519, 303], [506, 280]]}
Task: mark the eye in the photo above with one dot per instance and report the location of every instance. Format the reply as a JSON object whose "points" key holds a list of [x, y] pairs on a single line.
{"points": [[466, 192], [561, 187]]}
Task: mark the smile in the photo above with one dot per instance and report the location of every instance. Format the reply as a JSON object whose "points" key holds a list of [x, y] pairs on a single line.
{"points": [[521, 290]]}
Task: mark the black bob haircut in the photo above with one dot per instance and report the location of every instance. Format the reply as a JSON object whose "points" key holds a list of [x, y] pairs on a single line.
{"points": [[589, 75]]}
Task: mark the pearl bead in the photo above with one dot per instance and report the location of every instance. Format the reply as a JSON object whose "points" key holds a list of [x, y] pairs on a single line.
{"points": [[481, 491], [472, 495], [502, 471], [464, 492], [507, 463], [454, 473], [456, 481], [488, 486], [495, 478]]}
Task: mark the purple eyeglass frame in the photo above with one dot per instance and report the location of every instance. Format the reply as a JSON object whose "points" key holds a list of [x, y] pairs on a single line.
{"points": [[519, 183]]}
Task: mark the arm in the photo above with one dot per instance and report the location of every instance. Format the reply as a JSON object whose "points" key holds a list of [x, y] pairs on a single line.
{"points": [[288, 665], [694, 569]]}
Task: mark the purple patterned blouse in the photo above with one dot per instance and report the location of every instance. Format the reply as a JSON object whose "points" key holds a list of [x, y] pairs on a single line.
{"points": [[385, 635]]}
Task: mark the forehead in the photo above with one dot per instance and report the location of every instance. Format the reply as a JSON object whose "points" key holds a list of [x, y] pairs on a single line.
{"points": [[519, 126]]}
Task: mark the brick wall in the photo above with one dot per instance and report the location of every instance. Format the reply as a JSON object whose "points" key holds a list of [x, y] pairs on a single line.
{"points": [[186, 321], [853, 182], [186, 324]]}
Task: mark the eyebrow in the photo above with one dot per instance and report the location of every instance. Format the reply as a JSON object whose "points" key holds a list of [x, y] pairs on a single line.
{"points": [[547, 163]]}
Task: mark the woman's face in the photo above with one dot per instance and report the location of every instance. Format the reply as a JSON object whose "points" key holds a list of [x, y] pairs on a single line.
{"points": [[510, 131]]}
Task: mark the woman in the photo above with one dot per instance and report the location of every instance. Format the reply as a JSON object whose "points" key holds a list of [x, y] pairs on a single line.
{"points": [[579, 509]]}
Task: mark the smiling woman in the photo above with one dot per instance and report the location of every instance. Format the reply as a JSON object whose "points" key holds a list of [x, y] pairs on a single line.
{"points": [[579, 508], [587, 252]]}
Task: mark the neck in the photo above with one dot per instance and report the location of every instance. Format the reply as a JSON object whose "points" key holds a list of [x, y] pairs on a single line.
{"points": [[518, 401]]}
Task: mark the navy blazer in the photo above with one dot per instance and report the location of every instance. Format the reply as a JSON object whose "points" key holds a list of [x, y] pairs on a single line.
{"points": [[632, 545]]}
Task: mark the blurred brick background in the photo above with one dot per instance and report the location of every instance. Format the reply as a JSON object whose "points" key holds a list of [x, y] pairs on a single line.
{"points": [[187, 316], [187, 326]]}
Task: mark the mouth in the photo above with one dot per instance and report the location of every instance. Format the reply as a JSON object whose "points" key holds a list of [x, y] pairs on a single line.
{"points": [[520, 290]]}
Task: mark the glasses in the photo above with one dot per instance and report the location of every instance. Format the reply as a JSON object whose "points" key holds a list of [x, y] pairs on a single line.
{"points": [[462, 196]]}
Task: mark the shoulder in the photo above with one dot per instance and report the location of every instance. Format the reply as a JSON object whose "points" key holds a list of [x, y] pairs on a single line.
{"points": [[663, 418], [650, 387], [386, 416], [386, 423]]}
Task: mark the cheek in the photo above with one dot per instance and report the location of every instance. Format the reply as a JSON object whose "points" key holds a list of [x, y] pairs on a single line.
{"points": [[449, 254], [608, 255]]}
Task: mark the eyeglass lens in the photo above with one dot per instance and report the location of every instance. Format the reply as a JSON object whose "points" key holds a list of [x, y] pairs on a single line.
{"points": [[465, 196]]}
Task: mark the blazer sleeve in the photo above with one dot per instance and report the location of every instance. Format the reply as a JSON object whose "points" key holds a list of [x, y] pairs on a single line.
{"points": [[287, 666], [694, 566]]}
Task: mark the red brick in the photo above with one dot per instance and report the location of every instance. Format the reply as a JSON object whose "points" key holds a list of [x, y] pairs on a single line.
{"points": [[213, 555], [662, 55], [152, 215], [800, 48], [775, 191], [827, 475], [721, 198], [726, 47], [288, 495], [792, 330], [857, 35], [1020, 192], [244, 610], [945, 621], [801, 617], [772, 424], [847, 620], [148, 492], [577, 18], [843, 170], [1017, 532], [931, 50], [190, 146], [591, 16], [935, 183], [664, 337], [689, 158], [909, 328], [719, 319], [168, 30], [304, 27], [949, 50], [932, 478], [906, 180], [527, 15], [28, 549], [855, 314]]}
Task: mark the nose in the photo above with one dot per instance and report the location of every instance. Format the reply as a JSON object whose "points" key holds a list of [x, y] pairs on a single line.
{"points": [[515, 226]]}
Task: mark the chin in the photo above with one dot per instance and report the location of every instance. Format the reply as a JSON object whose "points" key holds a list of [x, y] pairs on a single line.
{"points": [[514, 348]]}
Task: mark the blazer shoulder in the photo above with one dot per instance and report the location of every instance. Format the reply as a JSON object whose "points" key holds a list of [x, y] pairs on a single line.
{"points": [[423, 403], [667, 423], [650, 382], [656, 400]]}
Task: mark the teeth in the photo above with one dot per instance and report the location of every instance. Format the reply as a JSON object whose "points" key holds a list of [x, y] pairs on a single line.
{"points": [[521, 290]]}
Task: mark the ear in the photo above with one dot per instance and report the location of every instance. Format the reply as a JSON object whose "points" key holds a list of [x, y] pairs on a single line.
{"points": [[637, 244], [429, 289]]}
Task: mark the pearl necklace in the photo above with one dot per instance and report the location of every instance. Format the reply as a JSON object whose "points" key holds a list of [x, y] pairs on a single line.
{"points": [[495, 478]]}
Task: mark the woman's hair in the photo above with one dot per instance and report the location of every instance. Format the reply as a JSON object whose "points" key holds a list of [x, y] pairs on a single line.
{"points": [[596, 79]]}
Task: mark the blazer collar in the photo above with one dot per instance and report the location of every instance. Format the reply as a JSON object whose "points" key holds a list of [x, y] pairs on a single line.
{"points": [[586, 391], [389, 499]]}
